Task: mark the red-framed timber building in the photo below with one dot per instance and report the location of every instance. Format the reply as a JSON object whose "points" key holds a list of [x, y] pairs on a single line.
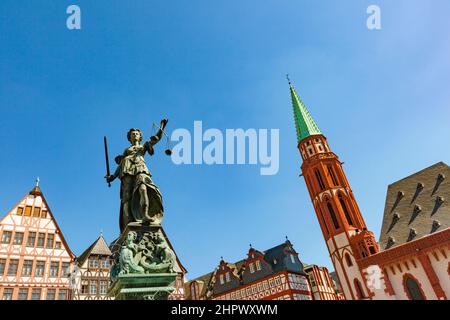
{"points": [[34, 256], [274, 274], [412, 259]]}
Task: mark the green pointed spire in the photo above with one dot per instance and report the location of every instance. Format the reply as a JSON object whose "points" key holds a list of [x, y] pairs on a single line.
{"points": [[304, 123]]}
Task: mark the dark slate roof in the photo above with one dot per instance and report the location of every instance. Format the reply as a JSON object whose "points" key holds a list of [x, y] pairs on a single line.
{"points": [[99, 247], [279, 261], [416, 206]]}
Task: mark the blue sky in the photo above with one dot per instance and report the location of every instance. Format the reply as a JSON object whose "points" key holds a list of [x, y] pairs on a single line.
{"points": [[381, 98]]}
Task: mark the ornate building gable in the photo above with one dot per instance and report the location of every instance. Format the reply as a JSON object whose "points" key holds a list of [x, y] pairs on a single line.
{"points": [[226, 277], [33, 213], [33, 251], [255, 267], [416, 206], [91, 277]]}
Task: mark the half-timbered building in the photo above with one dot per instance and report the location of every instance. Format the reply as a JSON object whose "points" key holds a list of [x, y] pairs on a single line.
{"points": [[90, 276], [34, 256], [274, 274], [322, 285]]}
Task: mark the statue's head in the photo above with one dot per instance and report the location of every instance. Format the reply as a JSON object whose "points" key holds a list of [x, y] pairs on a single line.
{"points": [[131, 236], [134, 134]]}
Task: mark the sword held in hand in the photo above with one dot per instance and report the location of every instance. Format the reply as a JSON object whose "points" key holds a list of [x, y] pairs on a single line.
{"points": [[108, 174]]}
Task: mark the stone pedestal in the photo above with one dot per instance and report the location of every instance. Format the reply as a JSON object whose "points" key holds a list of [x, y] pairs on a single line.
{"points": [[144, 264]]}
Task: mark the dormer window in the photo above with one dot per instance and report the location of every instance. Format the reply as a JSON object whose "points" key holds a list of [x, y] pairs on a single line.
{"points": [[227, 277], [221, 279], [258, 265], [292, 258], [252, 268]]}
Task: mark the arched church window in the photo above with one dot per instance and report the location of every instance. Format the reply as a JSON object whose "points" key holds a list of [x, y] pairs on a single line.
{"points": [[359, 290], [413, 289], [319, 179], [349, 260], [333, 177], [344, 207], [333, 215]]}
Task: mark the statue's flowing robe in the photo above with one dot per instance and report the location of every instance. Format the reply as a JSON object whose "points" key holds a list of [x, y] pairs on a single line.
{"points": [[133, 172]]}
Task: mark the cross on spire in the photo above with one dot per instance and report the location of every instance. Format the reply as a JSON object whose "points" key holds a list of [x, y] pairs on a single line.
{"points": [[37, 181]]}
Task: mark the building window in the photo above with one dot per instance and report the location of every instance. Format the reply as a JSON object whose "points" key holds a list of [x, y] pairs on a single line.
{"points": [[194, 291], [319, 179], [7, 294], [27, 268], [18, 238], [50, 240], [252, 267], [65, 269], [333, 215], [6, 237], [227, 277], [2, 266], [348, 259], [23, 294], [62, 294], [57, 245], [50, 294], [359, 290], [84, 286], [39, 269], [36, 211], [312, 280], [36, 294], [103, 287], [221, 279], [19, 211], [93, 287], [258, 265], [104, 263], [54, 269], [413, 289], [93, 263], [12, 267], [28, 211], [44, 214], [344, 207], [292, 258], [41, 240], [31, 240], [333, 177]]}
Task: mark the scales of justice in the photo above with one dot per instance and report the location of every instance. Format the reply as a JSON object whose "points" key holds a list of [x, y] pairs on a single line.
{"points": [[144, 264]]}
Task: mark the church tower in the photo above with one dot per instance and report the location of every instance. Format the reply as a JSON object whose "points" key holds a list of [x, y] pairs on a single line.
{"points": [[340, 219]]}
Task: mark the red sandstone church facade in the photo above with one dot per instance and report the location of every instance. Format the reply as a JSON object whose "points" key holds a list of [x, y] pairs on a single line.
{"points": [[413, 264]]}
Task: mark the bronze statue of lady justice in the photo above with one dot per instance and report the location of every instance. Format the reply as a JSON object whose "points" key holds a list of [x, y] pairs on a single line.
{"points": [[140, 198]]}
